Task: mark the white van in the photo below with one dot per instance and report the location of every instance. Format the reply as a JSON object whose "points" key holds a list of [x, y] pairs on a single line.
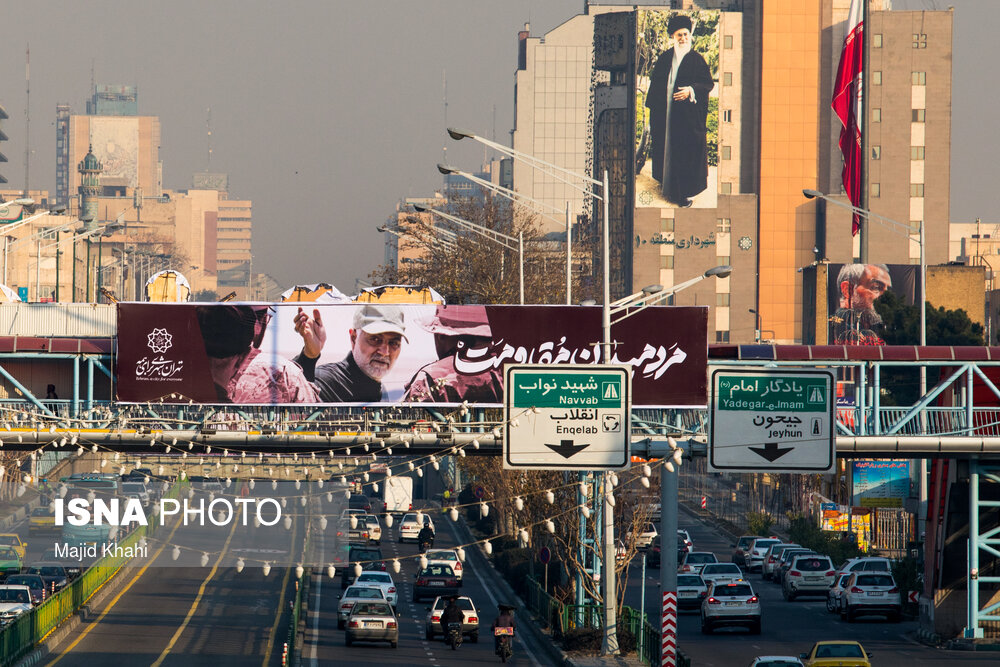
{"points": [[398, 494]]}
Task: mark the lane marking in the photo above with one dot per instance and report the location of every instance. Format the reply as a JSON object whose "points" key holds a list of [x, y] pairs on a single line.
{"points": [[281, 605], [201, 593], [115, 599], [482, 582], [313, 659]]}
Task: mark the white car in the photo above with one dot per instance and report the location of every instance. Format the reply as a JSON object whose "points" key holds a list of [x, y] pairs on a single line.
{"points": [[871, 593], [446, 557], [356, 594], [695, 560], [719, 572], [382, 580], [836, 593], [137, 488], [684, 535], [808, 575], [470, 618], [867, 564], [755, 555], [14, 601], [776, 661], [730, 603], [410, 526], [647, 536], [374, 528]]}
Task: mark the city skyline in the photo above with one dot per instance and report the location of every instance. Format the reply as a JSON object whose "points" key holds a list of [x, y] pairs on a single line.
{"points": [[305, 135]]}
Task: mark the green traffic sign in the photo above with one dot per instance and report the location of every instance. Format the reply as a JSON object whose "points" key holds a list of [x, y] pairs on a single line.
{"points": [[773, 394], [554, 389]]}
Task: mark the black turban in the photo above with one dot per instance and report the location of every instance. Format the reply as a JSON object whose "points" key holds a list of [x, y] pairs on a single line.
{"points": [[678, 21]]}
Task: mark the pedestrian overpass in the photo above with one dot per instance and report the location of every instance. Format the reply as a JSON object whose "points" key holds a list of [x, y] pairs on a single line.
{"points": [[956, 421]]}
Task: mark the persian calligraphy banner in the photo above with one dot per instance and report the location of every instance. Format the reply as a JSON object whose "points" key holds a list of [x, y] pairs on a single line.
{"points": [[255, 354]]}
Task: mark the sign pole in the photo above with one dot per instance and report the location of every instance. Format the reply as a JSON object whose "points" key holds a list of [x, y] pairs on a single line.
{"points": [[668, 566]]}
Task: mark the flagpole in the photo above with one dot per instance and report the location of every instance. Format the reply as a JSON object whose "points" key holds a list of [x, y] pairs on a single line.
{"points": [[863, 228]]}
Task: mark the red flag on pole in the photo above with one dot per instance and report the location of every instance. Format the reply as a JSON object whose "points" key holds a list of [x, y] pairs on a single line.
{"points": [[847, 104]]}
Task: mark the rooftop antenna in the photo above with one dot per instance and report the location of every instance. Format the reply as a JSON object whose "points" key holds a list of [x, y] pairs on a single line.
{"points": [[27, 117], [444, 84], [208, 124]]}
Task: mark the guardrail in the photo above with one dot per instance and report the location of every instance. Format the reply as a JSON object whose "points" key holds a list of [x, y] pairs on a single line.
{"points": [[567, 617], [20, 636]]}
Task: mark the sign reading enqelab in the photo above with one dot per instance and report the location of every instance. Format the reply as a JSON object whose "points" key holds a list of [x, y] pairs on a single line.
{"points": [[406, 354], [566, 417]]}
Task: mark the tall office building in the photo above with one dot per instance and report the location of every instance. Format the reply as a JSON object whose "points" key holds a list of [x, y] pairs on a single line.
{"points": [[772, 134], [126, 144]]}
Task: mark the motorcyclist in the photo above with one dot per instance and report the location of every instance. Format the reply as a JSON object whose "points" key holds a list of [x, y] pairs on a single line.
{"points": [[425, 536], [504, 619], [451, 614]]}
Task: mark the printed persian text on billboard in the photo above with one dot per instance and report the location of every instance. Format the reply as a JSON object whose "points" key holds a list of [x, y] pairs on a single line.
{"points": [[361, 354]]}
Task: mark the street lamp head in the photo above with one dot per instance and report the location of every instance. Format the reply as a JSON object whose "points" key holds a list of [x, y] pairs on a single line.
{"points": [[445, 169], [58, 210], [381, 228], [719, 271], [588, 302], [649, 290], [812, 194], [751, 310], [458, 134], [420, 208]]}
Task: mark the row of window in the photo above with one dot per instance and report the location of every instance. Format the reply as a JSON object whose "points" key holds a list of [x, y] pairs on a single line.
{"points": [[919, 41], [667, 262], [916, 78], [916, 115], [916, 189], [916, 152], [722, 225]]}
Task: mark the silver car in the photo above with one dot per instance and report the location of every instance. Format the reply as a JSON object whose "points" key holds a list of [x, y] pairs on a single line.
{"points": [[730, 603], [352, 596], [372, 622]]}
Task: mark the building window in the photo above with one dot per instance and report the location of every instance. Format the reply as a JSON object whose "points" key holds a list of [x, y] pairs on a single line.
{"points": [[916, 152], [727, 116], [918, 115], [726, 189], [723, 225], [721, 336], [727, 78], [915, 227], [918, 78], [876, 41], [876, 115], [916, 189], [876, 78], [666, 225], [919, 40], [876, 152], [727, 41], [666, 261], [722, 299], [727, 152], [876, 190]]}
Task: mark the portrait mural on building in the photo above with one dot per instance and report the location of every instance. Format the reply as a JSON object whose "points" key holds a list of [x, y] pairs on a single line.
{"points": [[852, 291], [677, 119]]}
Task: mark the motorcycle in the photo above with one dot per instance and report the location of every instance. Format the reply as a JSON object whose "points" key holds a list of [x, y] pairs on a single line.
{"points": [[504, 637], [454, 635], [424, 546]]}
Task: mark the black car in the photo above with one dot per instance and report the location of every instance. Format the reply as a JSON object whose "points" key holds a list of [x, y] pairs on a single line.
{"points": [[370, 558], [138, 474], [360, 501], [71, 565], [52, 573]]}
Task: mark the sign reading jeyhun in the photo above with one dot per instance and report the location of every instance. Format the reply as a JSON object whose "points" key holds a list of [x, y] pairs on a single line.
{"points": [[259, 354]]}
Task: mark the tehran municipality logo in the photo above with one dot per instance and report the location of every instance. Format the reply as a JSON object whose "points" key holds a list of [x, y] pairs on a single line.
{"points": [[159, 340], [158, 368]]}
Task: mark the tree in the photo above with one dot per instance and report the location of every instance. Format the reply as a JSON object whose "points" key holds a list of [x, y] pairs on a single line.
{"points": [[468, 268]]}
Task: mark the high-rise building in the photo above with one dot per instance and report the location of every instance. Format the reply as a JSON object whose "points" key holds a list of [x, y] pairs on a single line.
{"points": [[772, 134], [126, 144]]}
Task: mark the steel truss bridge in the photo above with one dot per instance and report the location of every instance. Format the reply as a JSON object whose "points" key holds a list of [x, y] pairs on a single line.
{"points": [[957, 417]]}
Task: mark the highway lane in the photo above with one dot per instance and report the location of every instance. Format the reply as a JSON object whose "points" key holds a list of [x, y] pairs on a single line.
{"points": [[178, 613], [789, 628], [325, 643]]}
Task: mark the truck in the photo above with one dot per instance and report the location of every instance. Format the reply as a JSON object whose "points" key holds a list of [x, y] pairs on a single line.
{"points": [[398, 494]]}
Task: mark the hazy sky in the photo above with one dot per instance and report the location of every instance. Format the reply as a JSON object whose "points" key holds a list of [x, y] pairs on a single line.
{"points": [[326, 113]]}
